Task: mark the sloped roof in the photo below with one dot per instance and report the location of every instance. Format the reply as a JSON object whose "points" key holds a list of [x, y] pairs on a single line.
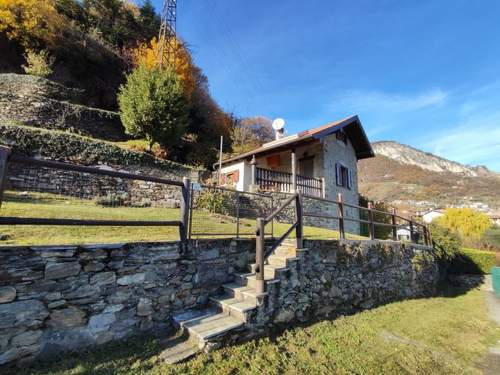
{"points": [[351, 126]]}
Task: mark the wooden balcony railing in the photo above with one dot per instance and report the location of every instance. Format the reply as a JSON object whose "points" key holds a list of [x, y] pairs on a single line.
{"points": [[269, 180]]}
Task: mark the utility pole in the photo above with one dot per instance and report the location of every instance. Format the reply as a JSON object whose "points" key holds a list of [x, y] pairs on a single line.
{"points": [[166, 35]]}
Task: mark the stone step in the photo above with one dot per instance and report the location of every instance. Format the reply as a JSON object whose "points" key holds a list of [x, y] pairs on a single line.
{"points": [[286, 251], [243, 292], [249, 279], [205, 328], [178, 350], [269, 269], [234, 306], [280, 261]]}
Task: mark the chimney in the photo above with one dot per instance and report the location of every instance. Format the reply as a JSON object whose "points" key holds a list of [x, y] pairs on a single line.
{"points": [[280, 133], [279, 128]]}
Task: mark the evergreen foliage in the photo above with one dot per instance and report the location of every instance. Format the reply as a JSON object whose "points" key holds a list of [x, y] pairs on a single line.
{"points": [[153, 106]]}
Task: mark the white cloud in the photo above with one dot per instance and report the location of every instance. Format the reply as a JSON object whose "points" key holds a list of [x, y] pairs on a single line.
{"points": [[388, 104], [473, 141]]}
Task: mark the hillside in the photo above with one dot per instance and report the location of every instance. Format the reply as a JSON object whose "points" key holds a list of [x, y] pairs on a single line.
{"points": [[416, 180]]}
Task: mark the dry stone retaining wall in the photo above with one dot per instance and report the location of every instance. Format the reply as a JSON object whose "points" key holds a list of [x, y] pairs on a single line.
{"points": [[61, 298]]}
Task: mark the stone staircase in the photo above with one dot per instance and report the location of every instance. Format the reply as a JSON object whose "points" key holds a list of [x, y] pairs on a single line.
{"points": [[230, 312]]}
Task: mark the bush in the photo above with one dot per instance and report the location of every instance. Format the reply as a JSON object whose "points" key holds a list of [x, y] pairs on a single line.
{"points": [[491, 238], [153, 106], [446, 242], [469, 224], [38, 63], [472, 261], [217, 201], [111, 200]]}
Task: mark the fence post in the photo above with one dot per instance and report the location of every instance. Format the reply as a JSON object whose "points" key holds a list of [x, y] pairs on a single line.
{"points": [[4, 155], [371, 226], [341, 216], [394, 227], [294, 171], [237, 214], [298, 216], [426, 236], [259, 256], [186, 187], [412, 232]]}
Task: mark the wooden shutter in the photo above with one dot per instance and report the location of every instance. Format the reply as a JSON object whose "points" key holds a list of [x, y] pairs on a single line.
{"points": [[235, 176], [338, 174], [349, 179]]}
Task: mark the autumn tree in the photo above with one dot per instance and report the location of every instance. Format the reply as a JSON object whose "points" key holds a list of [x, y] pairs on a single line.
{"points": [[32, 23], [153, 106], [468, 223], [250, 133]]}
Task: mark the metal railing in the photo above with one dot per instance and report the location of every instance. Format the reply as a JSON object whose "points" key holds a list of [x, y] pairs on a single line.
{"points": [[6, 157], [260, 252], [277, 181]]}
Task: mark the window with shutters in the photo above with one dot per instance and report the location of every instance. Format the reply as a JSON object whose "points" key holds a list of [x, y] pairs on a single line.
{"points": [[343, 176]]}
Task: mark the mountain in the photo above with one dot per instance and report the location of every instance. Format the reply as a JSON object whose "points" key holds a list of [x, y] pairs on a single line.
{"points": [[417, 180]]}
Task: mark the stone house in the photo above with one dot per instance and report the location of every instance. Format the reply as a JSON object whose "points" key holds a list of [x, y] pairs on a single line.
{"points": [[320, 162]]}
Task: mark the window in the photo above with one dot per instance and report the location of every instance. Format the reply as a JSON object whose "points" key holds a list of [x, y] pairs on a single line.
{"points": [[343, 176], [306, 166]]}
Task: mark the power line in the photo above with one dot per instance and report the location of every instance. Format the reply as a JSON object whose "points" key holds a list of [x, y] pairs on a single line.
{"points": [[166, 35]]}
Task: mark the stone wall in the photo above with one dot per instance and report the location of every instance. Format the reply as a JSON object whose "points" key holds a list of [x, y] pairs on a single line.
{"points": [[41, 103], [339, 277], [90, 186], [62, 298]]}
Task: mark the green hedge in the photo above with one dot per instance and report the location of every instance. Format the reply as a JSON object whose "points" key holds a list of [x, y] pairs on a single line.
{"points": [[60, 145], [472, 261]]}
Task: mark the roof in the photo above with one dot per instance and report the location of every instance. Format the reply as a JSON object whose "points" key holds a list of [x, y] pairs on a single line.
{"points": [[351, 126]]}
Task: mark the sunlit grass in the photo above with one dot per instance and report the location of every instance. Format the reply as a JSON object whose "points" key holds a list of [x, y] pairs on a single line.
{"points": [[43, 205], [448, 334]]}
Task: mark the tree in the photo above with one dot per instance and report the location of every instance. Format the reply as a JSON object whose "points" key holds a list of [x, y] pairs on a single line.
{"points": [[469, 224], [250, 133], [153, 106], [32, 23], [381, 231]]}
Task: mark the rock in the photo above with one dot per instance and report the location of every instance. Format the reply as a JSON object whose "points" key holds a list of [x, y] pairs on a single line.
{"points": [[68, 317], [55, 252], [101, 322], [120, 296], [284, 316], [209, 254], [335, 292], [56, 304], [53, 296], [7, 294], [103, 278], [26, 338], [61, 270], [137, 278], [144, 307], [114, 308], [17, 353], [28, 313], [93, 267]]}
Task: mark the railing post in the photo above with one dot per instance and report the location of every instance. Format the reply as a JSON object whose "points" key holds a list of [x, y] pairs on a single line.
{"points": [[237, 214], [298, 216], [371, 225], [294, 171], [394, 227], [259, 256], [426, 235], [4, 155], [412, 231], [340, 203], [186, 187]]}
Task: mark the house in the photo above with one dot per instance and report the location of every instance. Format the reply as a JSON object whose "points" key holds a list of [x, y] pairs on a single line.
{"points": [[403, 234], [495, 218], [320, 162], [430, 215]]}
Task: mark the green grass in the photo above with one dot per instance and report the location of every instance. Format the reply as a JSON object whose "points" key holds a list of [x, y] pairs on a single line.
{"points": [[474, 261], [44, 205], [448, 334]]}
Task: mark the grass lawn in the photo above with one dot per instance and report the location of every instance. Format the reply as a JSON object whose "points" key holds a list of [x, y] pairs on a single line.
{"points": [[448, 334], [56, 206]]}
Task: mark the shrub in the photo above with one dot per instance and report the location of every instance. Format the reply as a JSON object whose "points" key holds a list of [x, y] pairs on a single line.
{"points": [[216, 201], [447, 243], [111, 200], [491, 238], [38, 63], [153, 106], [472, 261]]}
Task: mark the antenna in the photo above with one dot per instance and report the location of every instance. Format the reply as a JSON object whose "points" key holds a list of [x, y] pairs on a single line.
{"points": [[166, 35], [279, 127]]}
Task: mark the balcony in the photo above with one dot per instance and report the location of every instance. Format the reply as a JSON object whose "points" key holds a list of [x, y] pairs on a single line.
{"points": [[269, 180]]}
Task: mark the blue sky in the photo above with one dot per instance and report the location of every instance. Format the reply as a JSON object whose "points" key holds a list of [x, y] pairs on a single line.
{"points": [[424, 73]]}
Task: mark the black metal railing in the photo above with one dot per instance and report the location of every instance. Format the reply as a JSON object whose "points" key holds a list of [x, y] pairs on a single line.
{"points": [[276, 181]]}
